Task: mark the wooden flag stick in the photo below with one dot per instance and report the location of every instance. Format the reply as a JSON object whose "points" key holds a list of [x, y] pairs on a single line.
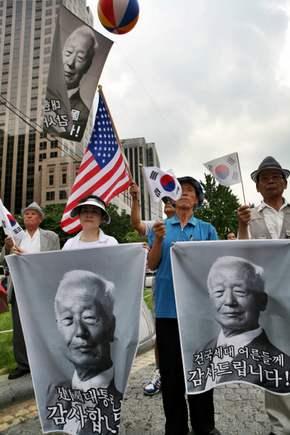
{"points": [[116, 134], [241, 179]]}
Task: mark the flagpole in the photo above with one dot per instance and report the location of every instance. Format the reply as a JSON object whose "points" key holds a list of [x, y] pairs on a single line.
{"points": [[241, 179], [117, 137]]}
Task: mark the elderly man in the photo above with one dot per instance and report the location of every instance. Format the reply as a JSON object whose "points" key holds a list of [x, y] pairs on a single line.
{"points": [[36, 240], [84, 305], [237, 291], [77, 55], [269, 220], [182, 227]]}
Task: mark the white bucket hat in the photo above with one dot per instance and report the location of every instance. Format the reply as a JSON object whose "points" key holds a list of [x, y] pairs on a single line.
{"points": [[91, 200]]}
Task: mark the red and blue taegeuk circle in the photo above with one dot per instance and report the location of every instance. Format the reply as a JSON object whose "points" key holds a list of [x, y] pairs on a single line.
{"points": [[118, 16], [11, 220], [222, 171], [167, 182]]}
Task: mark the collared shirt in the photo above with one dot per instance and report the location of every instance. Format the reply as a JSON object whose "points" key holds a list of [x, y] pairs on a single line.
{"points": [[71, 92], [100, 381], [31, 244], [76, 243], [237, 342], [273, 219], [195, 229], [73, 425], [240, 340]]}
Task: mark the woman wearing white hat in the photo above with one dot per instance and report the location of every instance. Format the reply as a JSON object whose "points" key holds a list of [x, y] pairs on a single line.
{"points": [[92, 212]]}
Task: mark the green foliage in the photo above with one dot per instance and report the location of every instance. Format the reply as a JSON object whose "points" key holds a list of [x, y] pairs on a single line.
{"points": [[148, 299], [7, 361], [53, 215], [219, 207], [119, 226], [133, 237]]}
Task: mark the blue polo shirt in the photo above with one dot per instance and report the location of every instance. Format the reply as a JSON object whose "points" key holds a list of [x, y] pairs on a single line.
{"points": [[193, 230]]}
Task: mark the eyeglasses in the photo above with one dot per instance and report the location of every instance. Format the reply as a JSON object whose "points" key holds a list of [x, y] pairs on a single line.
{"points": [[265, 178]]}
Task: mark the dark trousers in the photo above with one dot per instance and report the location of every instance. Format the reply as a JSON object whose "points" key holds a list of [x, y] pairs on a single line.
{"points": [[201, 408], [19, 347]]}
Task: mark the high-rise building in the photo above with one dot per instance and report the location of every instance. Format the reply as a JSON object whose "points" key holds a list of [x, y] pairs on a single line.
{"points": [[138, 152], [26, 35]]}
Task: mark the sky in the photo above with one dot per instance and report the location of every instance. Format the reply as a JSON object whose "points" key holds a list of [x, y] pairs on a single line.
{"points": [[203, 79]]}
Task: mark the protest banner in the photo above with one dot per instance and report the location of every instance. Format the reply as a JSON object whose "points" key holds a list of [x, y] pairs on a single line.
{"points": [[78, 56], [233, 311], [80, 312]]}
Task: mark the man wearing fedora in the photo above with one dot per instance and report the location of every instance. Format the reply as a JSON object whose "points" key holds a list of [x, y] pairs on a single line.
{"points": [[36, 240], [270, 220]]}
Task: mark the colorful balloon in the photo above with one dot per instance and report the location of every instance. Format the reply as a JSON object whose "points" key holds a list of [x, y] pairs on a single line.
{"points": [[118, 16]]}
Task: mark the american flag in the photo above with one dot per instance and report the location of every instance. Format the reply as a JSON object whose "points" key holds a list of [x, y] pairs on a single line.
{"points": [[103, 169]]}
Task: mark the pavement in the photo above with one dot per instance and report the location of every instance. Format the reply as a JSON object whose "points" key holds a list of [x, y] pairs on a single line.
{"points": [[239, 408]]}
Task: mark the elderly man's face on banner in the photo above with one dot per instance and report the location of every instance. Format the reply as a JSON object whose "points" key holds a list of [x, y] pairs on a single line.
{"points": [[85, 329], [77, 55], [237, 304]]}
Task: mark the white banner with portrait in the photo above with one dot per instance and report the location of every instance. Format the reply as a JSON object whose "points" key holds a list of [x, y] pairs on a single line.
{"points": [[77, 59], [80, 312], [233, 310]]}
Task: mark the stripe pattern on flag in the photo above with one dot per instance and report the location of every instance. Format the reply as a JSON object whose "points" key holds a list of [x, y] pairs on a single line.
{"points": [[103, 169]]}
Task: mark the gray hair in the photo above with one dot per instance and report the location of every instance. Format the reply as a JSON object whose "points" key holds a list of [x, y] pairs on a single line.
{"points": [[253, 273], [86, 31], [99, 287]]}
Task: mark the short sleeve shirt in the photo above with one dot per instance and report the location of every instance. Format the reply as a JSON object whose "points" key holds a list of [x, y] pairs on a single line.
{"points": [[194, 230]]}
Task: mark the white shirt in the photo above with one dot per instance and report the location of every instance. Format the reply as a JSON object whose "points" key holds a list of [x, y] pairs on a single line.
{"points": [[102, 380], [31, 244], [237, 341], [71, 92], [273, 219], [76, 243], [240, 340], [148, 226]]}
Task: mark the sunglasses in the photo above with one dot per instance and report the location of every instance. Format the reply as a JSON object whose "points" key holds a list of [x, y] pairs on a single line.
{"points": [[166, 199]]}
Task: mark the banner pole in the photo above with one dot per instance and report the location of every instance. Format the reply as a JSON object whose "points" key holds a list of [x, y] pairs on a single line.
{"points": [[241, 179], [116, 134]]}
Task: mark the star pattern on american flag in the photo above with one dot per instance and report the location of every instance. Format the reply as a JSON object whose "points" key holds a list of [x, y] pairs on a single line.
{"points": [[103, 144]]}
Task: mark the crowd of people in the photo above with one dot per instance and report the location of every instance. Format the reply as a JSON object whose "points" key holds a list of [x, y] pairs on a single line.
{"points": [[269, 220]]}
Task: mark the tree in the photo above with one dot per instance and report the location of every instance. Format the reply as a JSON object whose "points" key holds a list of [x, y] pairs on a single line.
{"points": [[119, 226], [219, 206]]}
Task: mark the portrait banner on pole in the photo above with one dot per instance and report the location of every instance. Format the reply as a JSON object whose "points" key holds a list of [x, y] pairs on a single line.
{"points": [[233, 308], [80, 312], [77, 58]]}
